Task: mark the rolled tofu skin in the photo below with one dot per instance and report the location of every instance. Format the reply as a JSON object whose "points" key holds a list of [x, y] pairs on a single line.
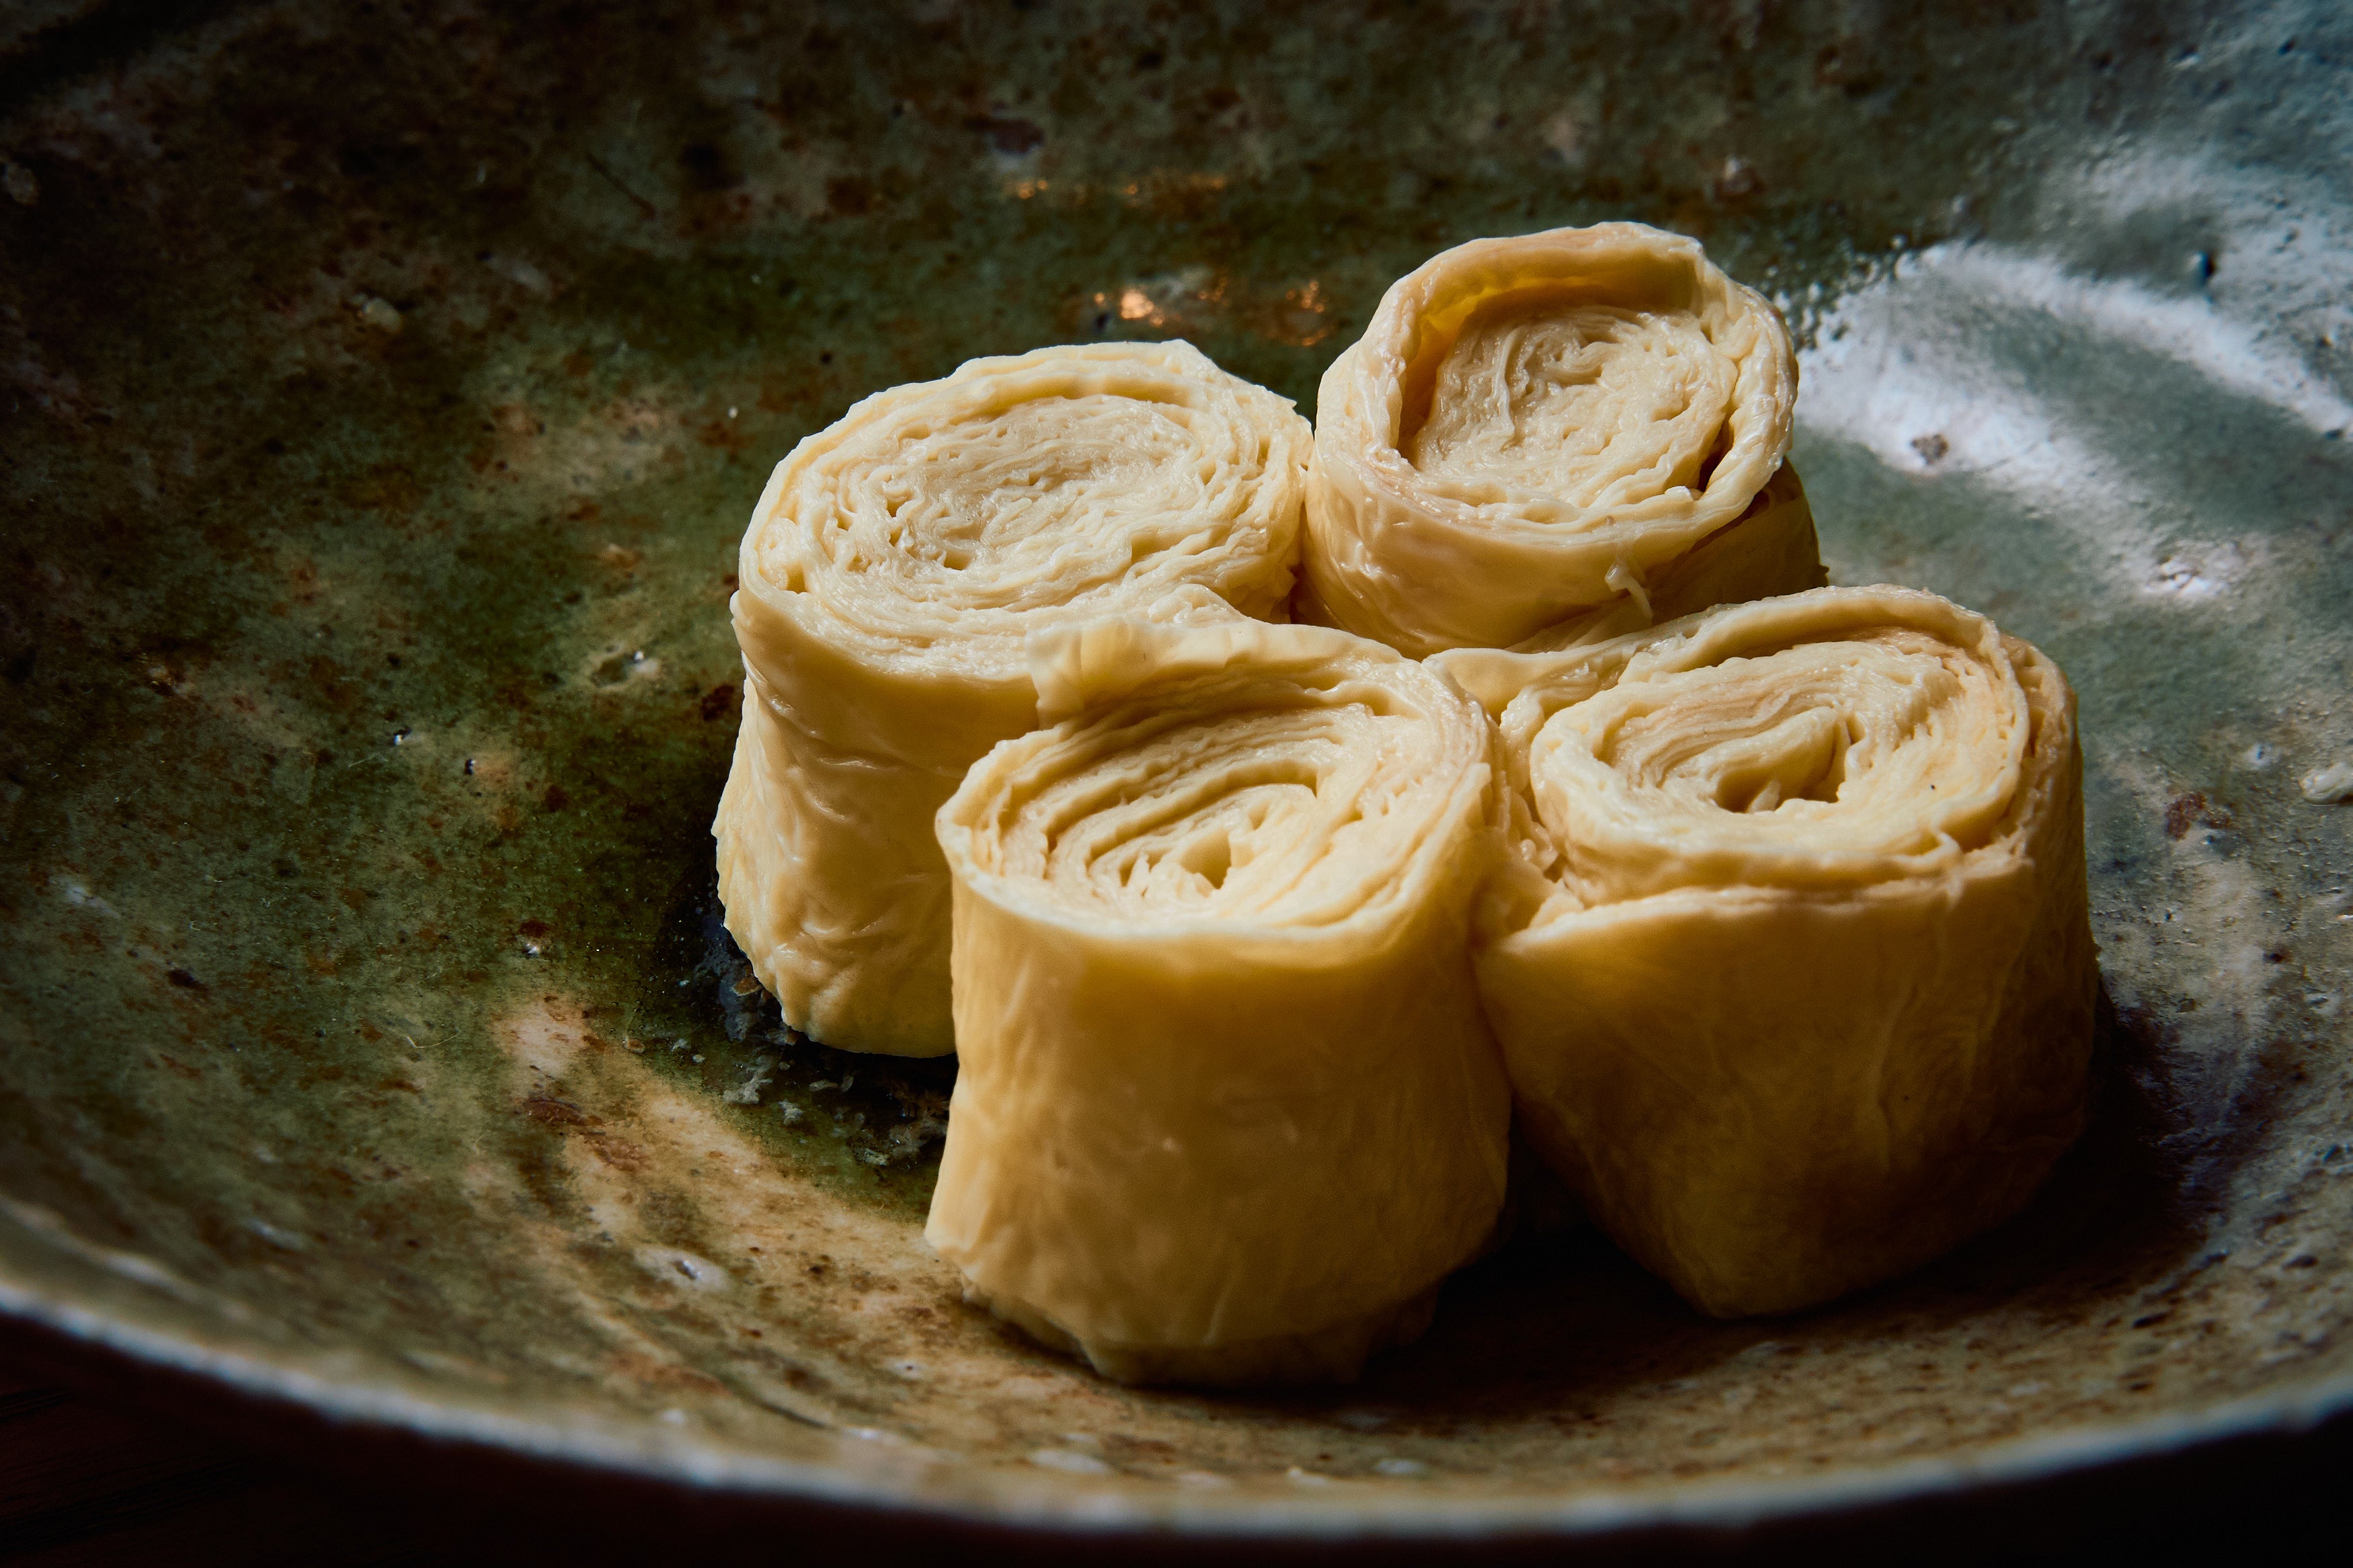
{"points": [[1586, 405], [1536, 431], [890, 572], [1227, 1111], [1791, 964]]}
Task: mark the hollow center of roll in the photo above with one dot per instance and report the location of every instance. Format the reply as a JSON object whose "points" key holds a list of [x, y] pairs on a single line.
{"points": [[1826, 759], [1592, 406], [1043, 502], [1292, 814]]}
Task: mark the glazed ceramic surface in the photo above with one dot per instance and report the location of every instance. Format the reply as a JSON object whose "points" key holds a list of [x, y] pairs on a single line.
{"points": [[384, 389]]}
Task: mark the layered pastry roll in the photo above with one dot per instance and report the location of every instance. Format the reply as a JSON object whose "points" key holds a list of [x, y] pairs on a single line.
{"points": [[1226, 1110], [1790, 958], [1538, 433], [890, 571]]}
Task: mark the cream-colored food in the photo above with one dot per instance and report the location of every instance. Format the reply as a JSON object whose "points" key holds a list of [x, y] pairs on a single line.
{"points": [[1770, 550], [1533, 432], [1226, 1109], [1597, 405], [1791, 962], [892, 568]]}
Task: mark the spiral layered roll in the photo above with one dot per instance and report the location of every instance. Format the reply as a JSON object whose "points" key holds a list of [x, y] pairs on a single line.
{"points": [[892, 567], [1226, 1109], [1536, 431], [1793, 964]]}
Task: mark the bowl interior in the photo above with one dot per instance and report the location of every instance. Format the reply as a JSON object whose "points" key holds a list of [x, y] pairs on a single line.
{"points": [[386, 391]]}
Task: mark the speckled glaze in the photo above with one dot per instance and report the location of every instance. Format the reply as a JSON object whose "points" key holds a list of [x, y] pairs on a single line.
{"points": [[384, 388]]}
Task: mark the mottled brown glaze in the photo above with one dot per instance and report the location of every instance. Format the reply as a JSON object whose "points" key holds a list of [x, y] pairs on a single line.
{"points": [[384, 388]]}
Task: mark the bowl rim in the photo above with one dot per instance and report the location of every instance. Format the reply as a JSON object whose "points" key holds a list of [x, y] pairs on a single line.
{"points": [[1053, 1504]]}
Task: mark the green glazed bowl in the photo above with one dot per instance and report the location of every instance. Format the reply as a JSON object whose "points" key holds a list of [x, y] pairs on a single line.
{"points": [[385, 390]]}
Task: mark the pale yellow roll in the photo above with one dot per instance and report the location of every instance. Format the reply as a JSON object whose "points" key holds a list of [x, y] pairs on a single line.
{"points": [[1535, 432], [1792, 960], [890, 571], [1226, 1110]]}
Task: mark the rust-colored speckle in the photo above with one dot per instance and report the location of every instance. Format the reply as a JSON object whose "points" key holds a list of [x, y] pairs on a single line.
{"points": [[2184, 812], [726, 435], [556, 1112], [619, 1152]]}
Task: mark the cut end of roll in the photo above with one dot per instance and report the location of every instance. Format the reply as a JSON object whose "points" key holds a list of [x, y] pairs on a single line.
{"points": [[1799, 893], [1532, 428], [1227, 1111], [893, 568]]}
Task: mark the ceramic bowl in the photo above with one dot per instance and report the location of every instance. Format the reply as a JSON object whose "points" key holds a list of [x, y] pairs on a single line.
{"points": [[386, 390]]}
